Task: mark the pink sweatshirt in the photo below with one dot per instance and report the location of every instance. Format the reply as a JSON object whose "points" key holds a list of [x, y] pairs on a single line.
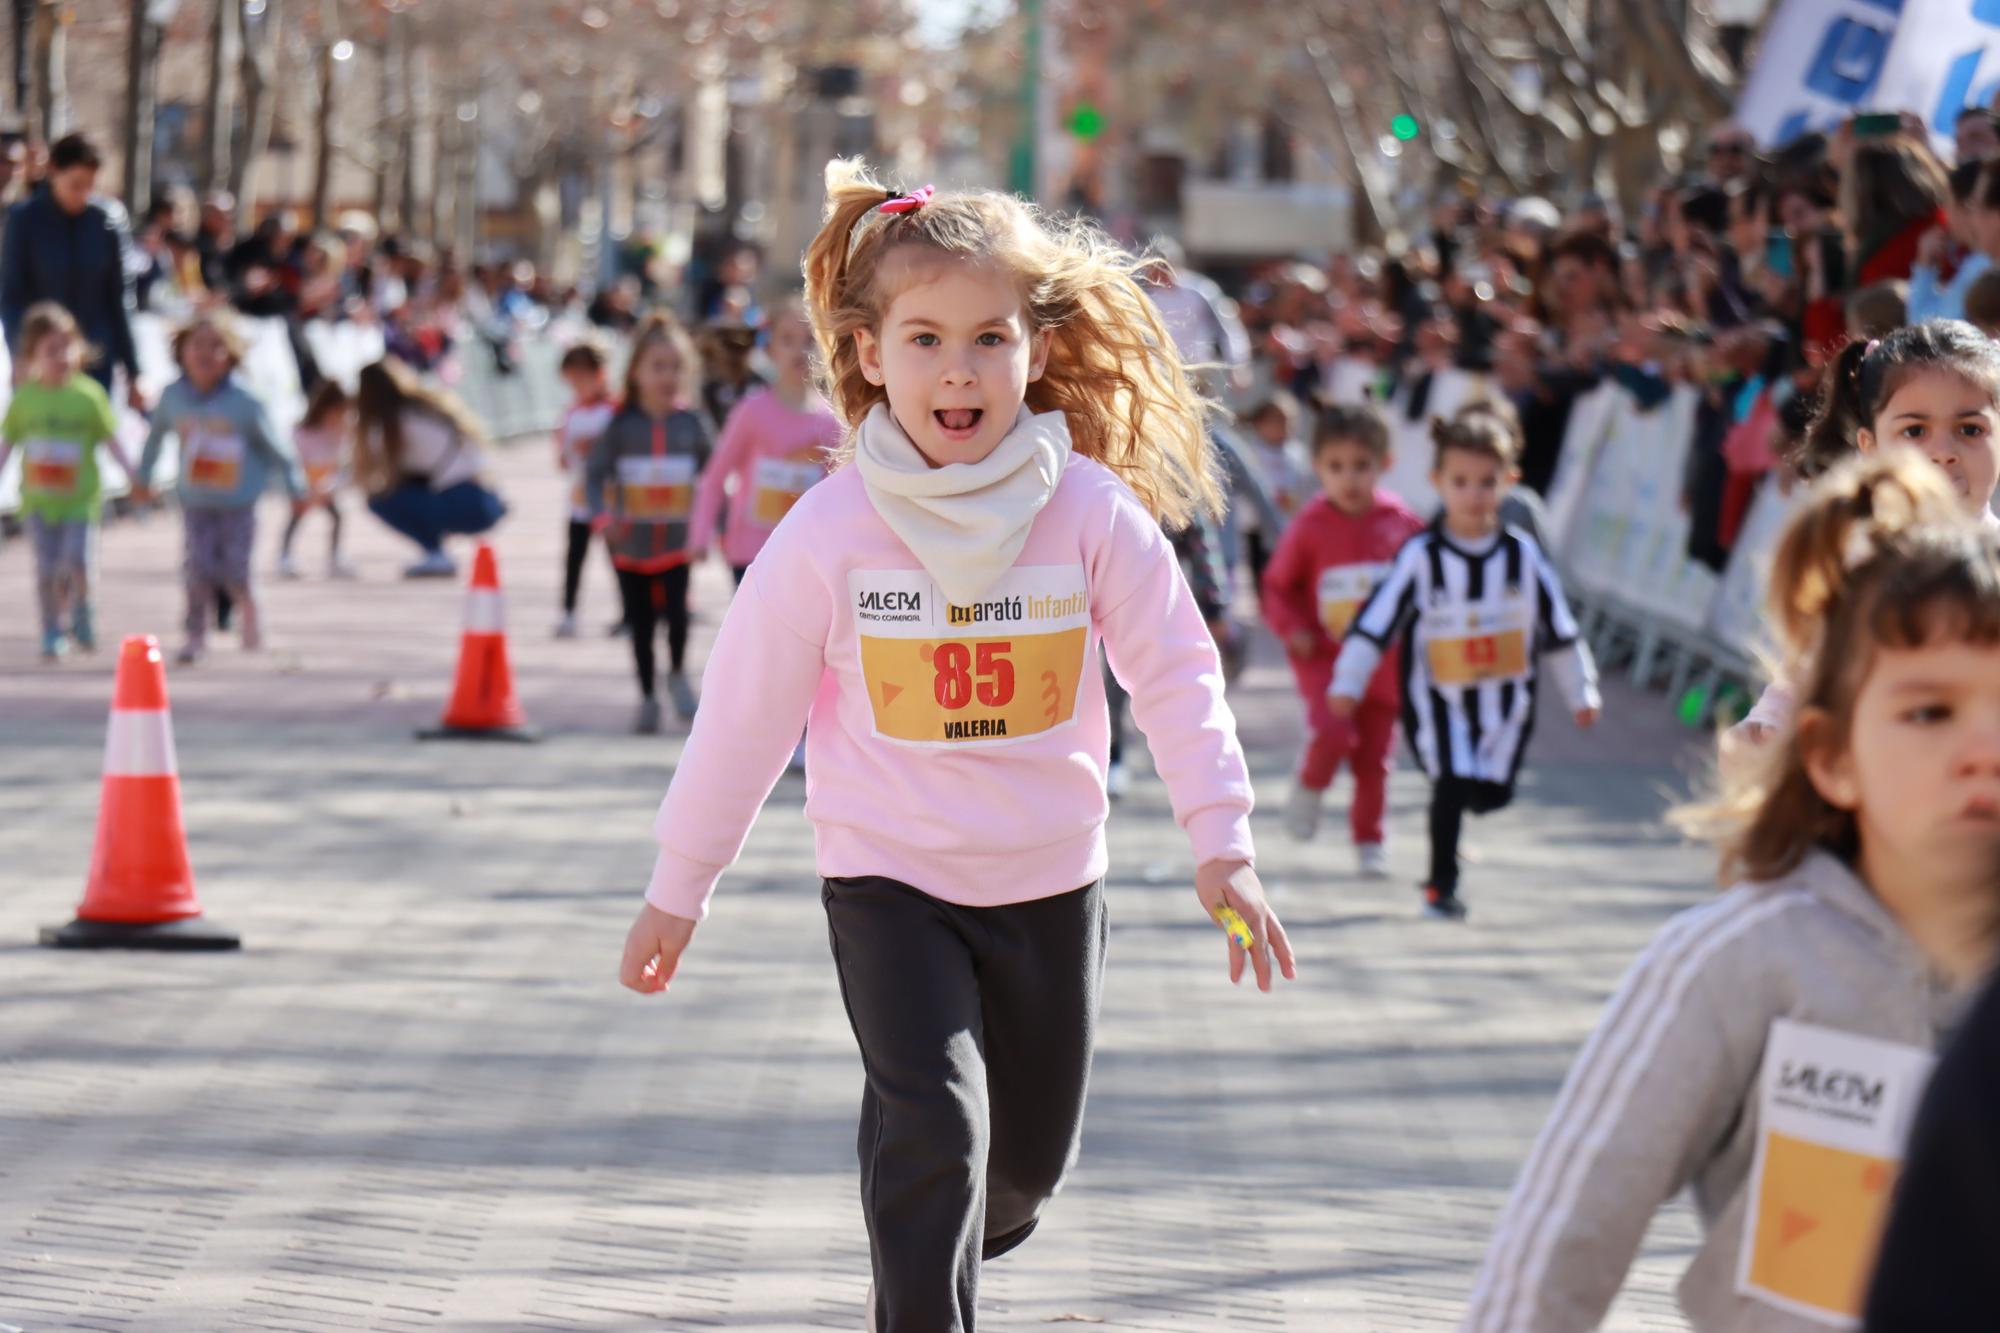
{"points": [[774, 454], [962, 750]]}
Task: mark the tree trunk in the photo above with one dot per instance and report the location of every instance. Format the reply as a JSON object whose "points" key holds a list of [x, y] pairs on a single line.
{"points": [[323, 131], [406, 133], [258, 65], [142, 55], [213, 171], [49, 107], [389, 103]]}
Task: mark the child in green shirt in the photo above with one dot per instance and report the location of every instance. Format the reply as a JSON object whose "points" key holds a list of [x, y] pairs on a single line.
{"points": [[58, 417]]}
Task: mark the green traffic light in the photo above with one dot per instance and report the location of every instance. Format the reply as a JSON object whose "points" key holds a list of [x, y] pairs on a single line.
{"points": [[1405, 128], [1086, 122]]}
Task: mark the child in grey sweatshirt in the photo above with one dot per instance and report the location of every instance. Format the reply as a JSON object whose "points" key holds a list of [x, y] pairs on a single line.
{"points": [[1767, 1050]]}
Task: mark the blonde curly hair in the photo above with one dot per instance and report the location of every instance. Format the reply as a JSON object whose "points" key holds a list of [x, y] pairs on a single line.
{"points": [[1113, 370]]}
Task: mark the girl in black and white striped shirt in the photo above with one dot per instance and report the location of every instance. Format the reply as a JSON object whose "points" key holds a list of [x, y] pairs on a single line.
{"points": [[1477, 604]]}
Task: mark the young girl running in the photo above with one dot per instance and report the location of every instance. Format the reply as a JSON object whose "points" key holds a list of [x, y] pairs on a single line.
{"points": [[228, 451], [1476, 605], [591, 408], [59, 416], [320, 439], [1325, 567], [1934, 387], [1021, 424], [772, 450], [641, 486], [1767, 1049]]}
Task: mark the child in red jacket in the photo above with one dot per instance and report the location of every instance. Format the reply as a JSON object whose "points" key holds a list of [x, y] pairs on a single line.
{"points": [[1330, 559]]}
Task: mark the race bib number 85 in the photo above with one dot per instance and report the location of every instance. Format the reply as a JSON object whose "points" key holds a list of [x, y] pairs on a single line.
{"points": [[1470, 645], [1002, 669]]}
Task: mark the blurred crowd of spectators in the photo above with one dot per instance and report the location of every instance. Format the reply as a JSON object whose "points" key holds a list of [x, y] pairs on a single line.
{"points": [[1739, 278]]}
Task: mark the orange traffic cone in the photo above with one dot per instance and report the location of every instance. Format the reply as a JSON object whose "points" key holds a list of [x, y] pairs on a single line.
{"points": [[141, 890], [483, 706]]}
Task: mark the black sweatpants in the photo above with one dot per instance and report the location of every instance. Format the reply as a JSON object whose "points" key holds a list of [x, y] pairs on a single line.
{"points": [[649, 599], [975, 1026], [573, 554], [1451, 799]]}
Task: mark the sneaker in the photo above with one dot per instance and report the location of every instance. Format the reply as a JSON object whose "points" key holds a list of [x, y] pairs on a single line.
{"points": [[288, 568], [55, 646], [1117, 782], [1372, 858], [1442, 904], [339, 568], [83, 629], [566, 627], [647, 723], [682, 694], [1302, 813], [436, 565]]}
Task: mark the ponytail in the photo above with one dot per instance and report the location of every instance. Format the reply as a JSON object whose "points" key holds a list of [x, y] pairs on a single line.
{"points": [[1829, 437]]}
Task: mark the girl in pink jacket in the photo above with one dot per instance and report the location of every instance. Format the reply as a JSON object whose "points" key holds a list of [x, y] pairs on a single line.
{"points": [[1020, 424], [773, 449]]}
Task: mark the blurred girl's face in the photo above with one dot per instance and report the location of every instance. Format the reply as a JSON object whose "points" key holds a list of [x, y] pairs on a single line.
{"points": [[657, 376], [205, 358], [791, 350], [55, 358]]}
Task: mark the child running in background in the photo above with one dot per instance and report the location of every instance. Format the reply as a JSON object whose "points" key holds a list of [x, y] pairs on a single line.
{"points": [[1862, 851], [640, 481], [57, 418], [320, 439], [1329, 562], [1934, 387], [228, 450], [772, 450], [1021, 426], [1271, 426], [1475, 605], [591, 407]]}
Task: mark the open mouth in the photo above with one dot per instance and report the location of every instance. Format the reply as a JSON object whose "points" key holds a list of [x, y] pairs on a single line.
{"points": [[958, 422], [1984, 809]]}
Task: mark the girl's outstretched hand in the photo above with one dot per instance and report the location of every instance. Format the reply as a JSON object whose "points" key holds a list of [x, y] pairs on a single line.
{"points": [[653, 949], [1234, 885]]}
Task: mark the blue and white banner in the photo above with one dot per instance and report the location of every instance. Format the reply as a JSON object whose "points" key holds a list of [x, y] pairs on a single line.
{"points": [[1946, 57], [1821, 61]]}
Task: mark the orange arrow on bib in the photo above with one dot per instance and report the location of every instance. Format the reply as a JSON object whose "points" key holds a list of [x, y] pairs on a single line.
{"points": [[1793, 1225]]}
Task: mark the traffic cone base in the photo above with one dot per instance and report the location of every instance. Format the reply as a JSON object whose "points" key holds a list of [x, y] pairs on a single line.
{"points": [[188, 935], [445, 732]]}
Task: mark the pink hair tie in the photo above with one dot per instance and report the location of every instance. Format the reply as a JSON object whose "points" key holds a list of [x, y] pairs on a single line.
{"points": [[911, 202], [1869, 350]]}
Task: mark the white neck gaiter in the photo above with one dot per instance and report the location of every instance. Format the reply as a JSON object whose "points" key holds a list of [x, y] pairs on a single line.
{"points": [[965, 522]]}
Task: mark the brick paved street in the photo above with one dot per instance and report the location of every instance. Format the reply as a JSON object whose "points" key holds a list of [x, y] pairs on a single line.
{"points": [[418, 1100]]}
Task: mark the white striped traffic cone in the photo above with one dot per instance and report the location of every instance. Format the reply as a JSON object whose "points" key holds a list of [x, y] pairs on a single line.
{"points": [[483, 706]]}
